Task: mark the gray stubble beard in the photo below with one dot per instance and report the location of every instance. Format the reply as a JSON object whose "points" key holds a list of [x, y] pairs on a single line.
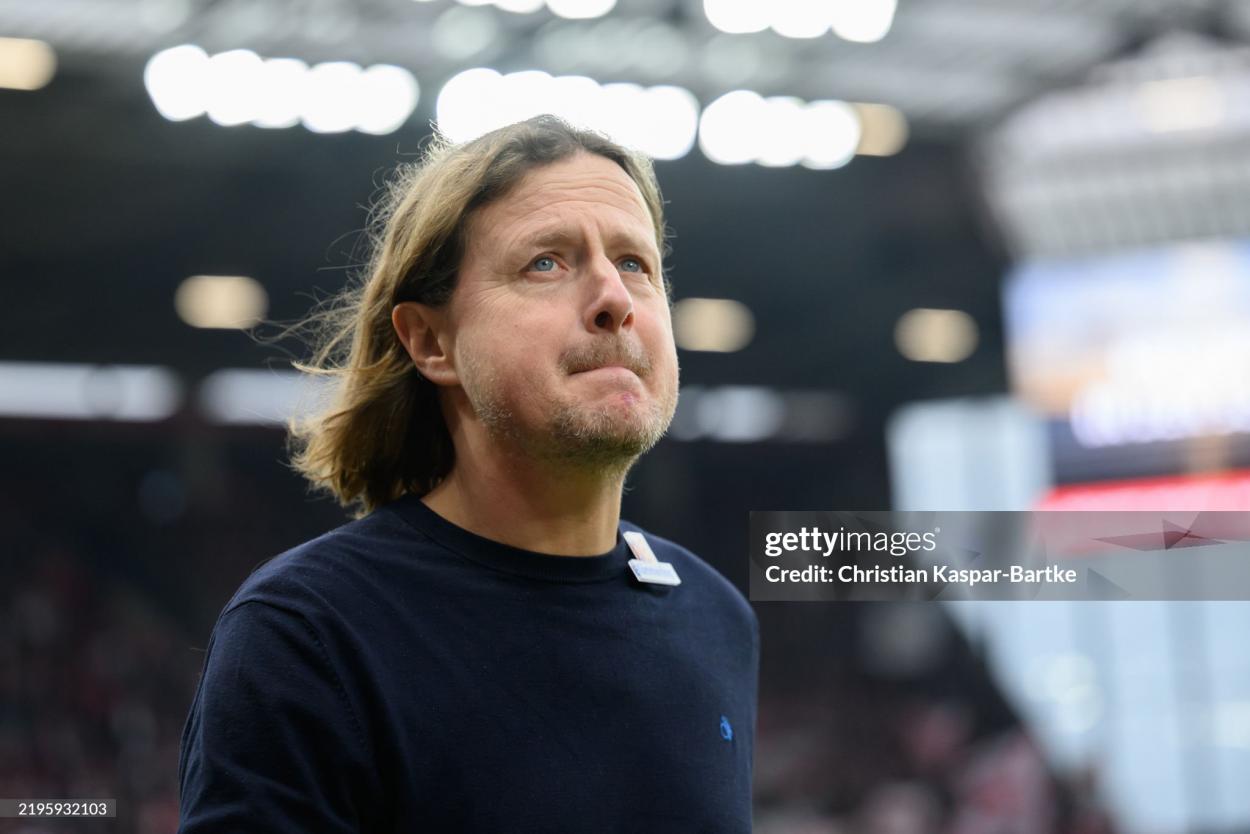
{"points": [[576, 439]]}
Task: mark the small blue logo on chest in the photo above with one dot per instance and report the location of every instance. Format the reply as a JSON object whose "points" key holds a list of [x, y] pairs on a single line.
{"points": [[726, 729]]}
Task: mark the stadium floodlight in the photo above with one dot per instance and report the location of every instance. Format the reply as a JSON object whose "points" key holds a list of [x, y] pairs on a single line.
{"points": [[133, 393], [221, 301], [332, 104], [785, 132], [26, 64], [799, 18], [672, 115], [464, 107], [719, 325], [731, 127], [388, 97], [575, 98], [863, 21], [884, 129], [520, 6], [661, 121], [832, 135], [580, 9], [737, 17], [280, 93], [521, 95], [932, 335], [177, 82], [235, 87]]}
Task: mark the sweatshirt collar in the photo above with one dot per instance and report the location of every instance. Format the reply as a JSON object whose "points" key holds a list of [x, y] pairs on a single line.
{"points": [[508, 559]]}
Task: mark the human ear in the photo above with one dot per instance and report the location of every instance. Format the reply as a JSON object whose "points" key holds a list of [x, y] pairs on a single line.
{"points": [[422, 331]]}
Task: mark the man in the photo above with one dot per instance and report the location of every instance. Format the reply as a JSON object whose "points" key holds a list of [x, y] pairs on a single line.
{"points": [[488, 648]]}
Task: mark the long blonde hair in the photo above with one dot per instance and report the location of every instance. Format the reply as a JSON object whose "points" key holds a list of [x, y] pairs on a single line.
{"points": [[381, 432]]}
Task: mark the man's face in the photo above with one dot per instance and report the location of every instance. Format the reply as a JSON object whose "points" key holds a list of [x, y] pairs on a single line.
{"points": [[563, 343]]}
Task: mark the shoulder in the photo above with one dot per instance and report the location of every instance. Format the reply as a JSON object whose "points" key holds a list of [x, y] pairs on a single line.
{"points": [[340, 569], [696, 571]]}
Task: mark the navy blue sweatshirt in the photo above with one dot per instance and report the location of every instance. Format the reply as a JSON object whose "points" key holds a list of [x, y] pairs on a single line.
{"points": [[403, 674]]}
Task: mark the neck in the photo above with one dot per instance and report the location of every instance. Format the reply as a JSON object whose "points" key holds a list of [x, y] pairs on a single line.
{"points": [[533, 505]]}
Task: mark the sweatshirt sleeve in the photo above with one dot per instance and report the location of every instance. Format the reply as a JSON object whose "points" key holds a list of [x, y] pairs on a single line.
{"points": [[272, 743]]}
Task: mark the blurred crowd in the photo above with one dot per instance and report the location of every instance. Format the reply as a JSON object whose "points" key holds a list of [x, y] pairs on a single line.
{"points": [[94, 685], [873, 718]]}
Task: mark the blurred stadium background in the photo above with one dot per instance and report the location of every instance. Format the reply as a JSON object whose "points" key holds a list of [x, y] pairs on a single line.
{"points": [[944, 254]]}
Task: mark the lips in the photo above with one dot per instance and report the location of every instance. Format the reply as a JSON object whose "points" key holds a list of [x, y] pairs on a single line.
{"points": [[604, 356], [611, 371]]}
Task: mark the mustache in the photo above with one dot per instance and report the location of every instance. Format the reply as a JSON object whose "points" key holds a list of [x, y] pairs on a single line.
{"points": [[606, 352]]}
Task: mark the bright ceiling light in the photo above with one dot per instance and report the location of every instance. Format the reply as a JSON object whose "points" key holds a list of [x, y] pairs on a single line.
{"points": [[863, 21], [520, 96], [929, 335], [672, 114], [621, 106], [519, 6], [140, 393], [832, 135], [737, 17], [1177, 104], [730, 129], [221, 301], [574, 98], [234, 87], [332, 104], [249, 396], [799, 18], [883, 129], [580, 9], [238, 86], [662, 122], [712, 324], [742, 127], [388, 96], [785, 128], [741, 413], [280, 93], [25, 64], [177, 82], [465, 104]]}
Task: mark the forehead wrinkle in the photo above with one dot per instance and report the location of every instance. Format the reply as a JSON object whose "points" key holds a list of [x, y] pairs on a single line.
{"points": [[603, 191], [556, 232], [545, 204], [542, 201], [557, 222], [617, 185]]}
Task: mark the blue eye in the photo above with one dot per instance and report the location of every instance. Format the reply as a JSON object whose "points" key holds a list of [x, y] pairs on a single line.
{"points": [[637, 264], [544, 264]]}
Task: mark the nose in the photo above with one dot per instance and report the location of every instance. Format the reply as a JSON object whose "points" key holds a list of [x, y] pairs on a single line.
{"points": [[612, 307]]}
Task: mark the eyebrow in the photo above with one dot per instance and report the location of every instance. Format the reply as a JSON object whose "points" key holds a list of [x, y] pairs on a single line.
{"points": [[549, 237]]}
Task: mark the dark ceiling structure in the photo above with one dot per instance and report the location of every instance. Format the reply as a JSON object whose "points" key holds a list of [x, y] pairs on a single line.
{"points": [[110, 206]]}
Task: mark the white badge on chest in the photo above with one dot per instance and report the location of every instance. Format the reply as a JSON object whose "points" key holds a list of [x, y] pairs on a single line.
{"points": [[645, 566]]}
